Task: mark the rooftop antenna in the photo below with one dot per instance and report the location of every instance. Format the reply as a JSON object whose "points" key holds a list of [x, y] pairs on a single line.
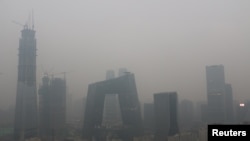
{"points": [[27, 23], [30, 20]]}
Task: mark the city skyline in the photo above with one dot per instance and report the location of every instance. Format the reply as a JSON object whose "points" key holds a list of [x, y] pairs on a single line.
{"points": [[185, 65], [161, 46]]}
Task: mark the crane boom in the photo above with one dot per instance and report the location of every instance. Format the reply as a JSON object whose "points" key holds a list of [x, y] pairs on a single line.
{"points": [[17, 23]]}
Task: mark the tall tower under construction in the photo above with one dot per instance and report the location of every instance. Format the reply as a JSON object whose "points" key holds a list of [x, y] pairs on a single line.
{"points": [[26, 96]]}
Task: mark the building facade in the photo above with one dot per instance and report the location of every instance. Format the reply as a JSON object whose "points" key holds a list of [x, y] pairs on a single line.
{"points": [[26, 96], [229, 108], [186, 112], [125, 87], [215, 94], [111, 110], [52, 109], [166, 115]]}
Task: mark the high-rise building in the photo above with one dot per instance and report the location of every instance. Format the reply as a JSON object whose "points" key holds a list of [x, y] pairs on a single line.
{"points": [[166, 115], [44, 109], [125, 87], [26, 96], [52, 109], [110, 74], [186, 114], [229, 108], [111, 108], [215, 94]]}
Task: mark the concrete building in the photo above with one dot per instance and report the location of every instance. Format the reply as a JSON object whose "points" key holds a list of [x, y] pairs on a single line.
{"points": [[52, 109], [219, 96], [215, 93], [26, 97], [111, 110], [125, 87], [229, 108], [166, 115], [186, 113]]}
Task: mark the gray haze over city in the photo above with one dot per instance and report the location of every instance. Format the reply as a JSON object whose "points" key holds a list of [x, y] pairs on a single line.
{"points": [[166, 44]]}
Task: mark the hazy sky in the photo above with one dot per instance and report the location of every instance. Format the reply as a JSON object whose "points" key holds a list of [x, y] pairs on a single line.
{"points": [[166, 44]]}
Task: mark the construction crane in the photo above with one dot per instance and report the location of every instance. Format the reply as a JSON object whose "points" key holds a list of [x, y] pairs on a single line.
{"points": [[17, 23], [59, 73], [23, 25], [64, 74], [28, 22]]}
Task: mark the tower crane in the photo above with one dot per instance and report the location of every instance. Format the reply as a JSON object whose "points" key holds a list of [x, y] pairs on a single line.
{"points": [[28, 22], [63, 73], [23, 25]]}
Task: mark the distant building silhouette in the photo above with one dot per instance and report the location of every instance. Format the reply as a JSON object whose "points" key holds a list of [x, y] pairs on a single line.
{"points": [[166, 115], [149, 118], [26, 96], [219, 96], [186, 114], [44, 109], [122, 71], [243, 112], [111, 109], [229, 117], [52, 109], [125, 88], [215, 93], [110, 74]]}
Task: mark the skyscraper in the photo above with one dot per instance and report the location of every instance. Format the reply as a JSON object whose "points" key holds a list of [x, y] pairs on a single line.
{"points": [[229, 104], [215, 93], [166, 115], [52, 109], [44, 109], [26, 96], [110, 74], [111, 108], [125, 87]]}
